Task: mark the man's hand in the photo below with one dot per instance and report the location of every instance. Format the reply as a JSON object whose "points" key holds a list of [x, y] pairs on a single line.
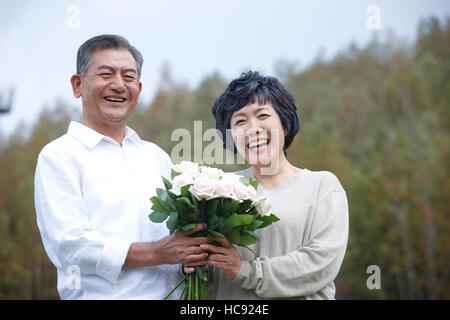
{"points": [[180, 248], [175, 248]]}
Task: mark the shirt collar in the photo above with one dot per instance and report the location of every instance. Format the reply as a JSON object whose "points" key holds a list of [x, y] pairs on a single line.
{"points": [[91, 138], [132, 135]]}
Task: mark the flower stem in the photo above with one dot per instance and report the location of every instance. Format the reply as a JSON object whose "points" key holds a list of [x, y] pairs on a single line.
{"points": [[178, 284]]}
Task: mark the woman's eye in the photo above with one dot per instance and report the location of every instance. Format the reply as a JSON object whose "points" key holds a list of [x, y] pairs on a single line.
{"points": [[238, 122], [264, 115]]}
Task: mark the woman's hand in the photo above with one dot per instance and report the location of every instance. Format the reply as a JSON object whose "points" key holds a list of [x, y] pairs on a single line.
{"points": [[225, 257]]}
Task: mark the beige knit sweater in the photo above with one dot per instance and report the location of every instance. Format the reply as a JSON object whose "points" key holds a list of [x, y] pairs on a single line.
{"points": [[299, 256]]}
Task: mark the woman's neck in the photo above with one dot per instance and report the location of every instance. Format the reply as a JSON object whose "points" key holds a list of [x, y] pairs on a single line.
{"points": [[276, 175]]}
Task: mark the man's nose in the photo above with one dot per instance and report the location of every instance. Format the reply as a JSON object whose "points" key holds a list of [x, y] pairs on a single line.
{"points": [[118, 84]]}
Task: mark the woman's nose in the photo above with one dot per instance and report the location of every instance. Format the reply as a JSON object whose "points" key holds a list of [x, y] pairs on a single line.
{"points": [[253, 127]]}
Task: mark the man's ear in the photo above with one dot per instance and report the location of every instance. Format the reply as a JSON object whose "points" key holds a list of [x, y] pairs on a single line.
{"points": [[75, 80], [140, 90]]}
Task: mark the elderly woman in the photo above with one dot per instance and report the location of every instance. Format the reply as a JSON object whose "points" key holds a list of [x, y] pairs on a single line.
{"points": [[300, 256]]}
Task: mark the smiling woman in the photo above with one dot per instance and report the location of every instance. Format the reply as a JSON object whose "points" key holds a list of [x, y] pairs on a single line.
{"points": [[300, 256]]}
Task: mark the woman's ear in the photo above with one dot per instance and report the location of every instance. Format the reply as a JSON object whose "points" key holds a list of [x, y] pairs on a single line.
{"points": [[75, 80]]}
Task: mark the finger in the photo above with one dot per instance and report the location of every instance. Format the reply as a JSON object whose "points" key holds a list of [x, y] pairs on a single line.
{"points": [[194, 258], [223, 241], [218, 258], [213, 248], [199, 240], [197, 263], [194, 250], [199, 227], [215, 263], [188, 269]]}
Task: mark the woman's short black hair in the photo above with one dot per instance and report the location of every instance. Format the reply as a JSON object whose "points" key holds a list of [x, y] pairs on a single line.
{"points": [[244, 90]]}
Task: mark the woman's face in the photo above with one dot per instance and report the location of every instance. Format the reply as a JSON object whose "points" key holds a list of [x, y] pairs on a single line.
{"points": [[258, 134]]}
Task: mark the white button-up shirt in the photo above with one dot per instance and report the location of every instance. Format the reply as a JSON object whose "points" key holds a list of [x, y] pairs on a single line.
{"points": [[92, 202]]}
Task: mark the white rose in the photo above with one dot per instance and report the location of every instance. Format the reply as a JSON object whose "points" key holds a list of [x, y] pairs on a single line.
{"points": [[187, 168], [225, 186], [180, 181], [204, 188], [244, 192], [264, 207], [212, 173]]}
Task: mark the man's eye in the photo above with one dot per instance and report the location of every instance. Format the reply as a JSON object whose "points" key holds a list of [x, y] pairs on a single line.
{"points": [[129, 77], [105, 74]]}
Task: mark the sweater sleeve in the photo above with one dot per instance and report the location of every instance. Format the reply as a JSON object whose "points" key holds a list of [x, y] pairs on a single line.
{"points": [[310, 268]]}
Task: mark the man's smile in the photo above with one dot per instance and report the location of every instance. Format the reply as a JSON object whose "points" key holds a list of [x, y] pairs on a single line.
{"points": [[115, 99]]}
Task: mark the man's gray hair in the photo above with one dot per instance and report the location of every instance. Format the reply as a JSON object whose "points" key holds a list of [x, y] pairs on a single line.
{"points": [[106, 41]]}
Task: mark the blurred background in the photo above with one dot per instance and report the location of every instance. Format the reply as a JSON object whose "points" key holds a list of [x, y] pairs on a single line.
{"points": [[371, 80]]}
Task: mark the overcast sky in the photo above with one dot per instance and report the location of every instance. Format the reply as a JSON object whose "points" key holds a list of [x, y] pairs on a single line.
{"points": [[39, 39]]}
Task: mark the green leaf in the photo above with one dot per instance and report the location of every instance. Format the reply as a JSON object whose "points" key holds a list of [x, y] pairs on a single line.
{"points": [[254, 184], [165, 198], [171, 223], [229, 206], [188, 226], [247, 240], [174, 173], [218, 225], [167, 184], [245, 180], [268, 220], [183, 205], [215, 233], [251, 234], [158, 216], [158, 206], [211, 206], [185, 190], [236, 220], [244, 206], [256, 223], [234, 236], [212, 220]]}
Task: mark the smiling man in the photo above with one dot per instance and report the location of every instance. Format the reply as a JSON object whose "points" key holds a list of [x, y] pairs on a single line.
{"points": [[93, 184]]}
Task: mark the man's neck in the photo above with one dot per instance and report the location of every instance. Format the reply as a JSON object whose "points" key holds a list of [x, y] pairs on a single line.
{"points": [[115, 131]]}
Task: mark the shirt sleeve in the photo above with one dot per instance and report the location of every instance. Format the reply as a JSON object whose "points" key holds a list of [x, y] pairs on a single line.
{"points": [[64, 224], [310, 268]]}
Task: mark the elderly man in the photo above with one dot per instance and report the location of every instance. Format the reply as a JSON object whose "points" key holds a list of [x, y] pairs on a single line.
{"points": [[93, 184]]}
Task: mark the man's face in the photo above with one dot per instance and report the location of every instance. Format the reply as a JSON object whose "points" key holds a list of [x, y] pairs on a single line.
{"points": [[110, 88]]}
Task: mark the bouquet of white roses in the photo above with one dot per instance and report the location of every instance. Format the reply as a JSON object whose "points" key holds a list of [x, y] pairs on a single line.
{"points": [[226, 202]]}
